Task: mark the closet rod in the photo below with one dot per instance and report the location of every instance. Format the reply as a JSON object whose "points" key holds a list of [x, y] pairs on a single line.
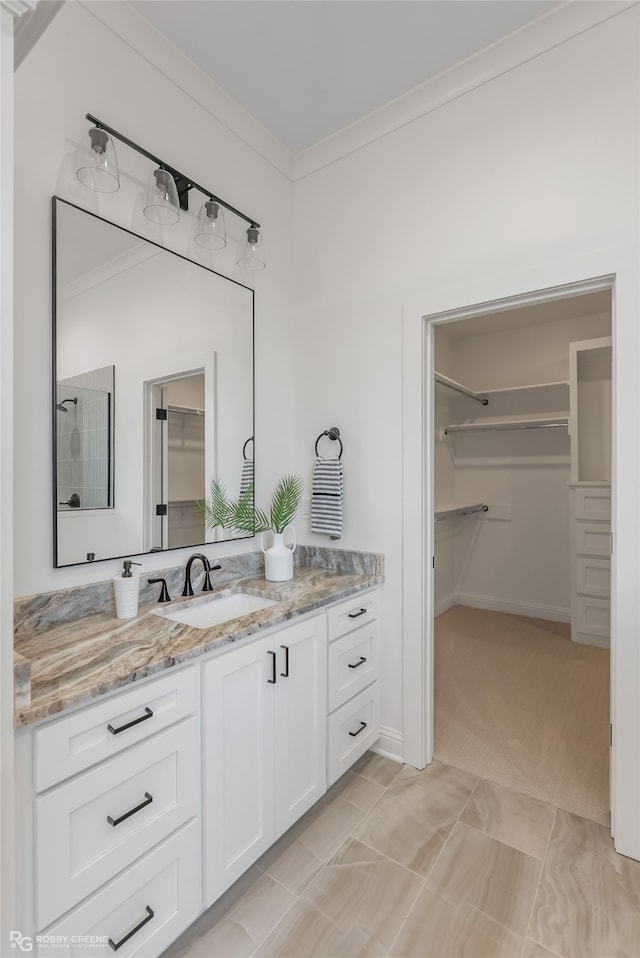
{"points": [[187, 410], [506, 424], [460, 511], [459, 388]]}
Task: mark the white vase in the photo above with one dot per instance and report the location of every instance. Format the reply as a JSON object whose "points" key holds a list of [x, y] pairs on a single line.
{"points": [[278, 558]]}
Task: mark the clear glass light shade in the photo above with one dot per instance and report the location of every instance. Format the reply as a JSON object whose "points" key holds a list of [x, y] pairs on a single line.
{"points": [[210, 231], [98, 164], [252, 254], [161, 203]]}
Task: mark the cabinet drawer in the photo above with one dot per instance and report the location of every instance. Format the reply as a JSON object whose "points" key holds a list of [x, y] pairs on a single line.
{"points": [[593, 539], [352, 730], [592, 503], [74, 743], [352, 613], [92, 827], [592, 615], [593, 576], [166, 882], [353, 663]]}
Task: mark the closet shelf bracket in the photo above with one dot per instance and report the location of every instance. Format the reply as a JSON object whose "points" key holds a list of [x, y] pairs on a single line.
{"points": [[459, 511], [459, 388]]}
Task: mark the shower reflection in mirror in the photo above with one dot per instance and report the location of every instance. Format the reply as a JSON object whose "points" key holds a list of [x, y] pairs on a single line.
{"points": [[84, 440]]}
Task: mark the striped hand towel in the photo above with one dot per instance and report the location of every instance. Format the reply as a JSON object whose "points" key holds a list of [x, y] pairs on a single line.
{"points": [[327, 497], [247, 476]]}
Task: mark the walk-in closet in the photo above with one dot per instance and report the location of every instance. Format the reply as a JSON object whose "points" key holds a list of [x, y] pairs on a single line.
{"points": [[522, 513]]}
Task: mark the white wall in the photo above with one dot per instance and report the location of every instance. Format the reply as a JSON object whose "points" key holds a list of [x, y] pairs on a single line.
{"points": [[81, 65], [536, 167]]}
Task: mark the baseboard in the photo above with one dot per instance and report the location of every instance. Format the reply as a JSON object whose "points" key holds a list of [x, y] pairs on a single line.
{"points": [[513, 608], [444, 603], [390, 744]]}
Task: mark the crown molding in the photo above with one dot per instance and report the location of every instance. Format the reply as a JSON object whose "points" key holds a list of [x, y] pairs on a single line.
{"points": [[532, 40], [18, 7], [132, 28]]}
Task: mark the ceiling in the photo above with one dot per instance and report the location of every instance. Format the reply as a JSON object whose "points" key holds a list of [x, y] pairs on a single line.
{"points": [[536, 314], [308, 68]]}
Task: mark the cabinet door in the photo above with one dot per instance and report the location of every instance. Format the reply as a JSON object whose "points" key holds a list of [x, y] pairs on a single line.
{"points": [[301, 715], [239, 817]]}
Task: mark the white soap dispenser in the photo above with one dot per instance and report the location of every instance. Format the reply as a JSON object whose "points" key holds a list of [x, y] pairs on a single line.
{"points": [[127, 588]]}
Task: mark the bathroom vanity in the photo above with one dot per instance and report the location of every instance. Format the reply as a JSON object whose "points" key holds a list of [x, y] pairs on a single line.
{"points": [[157, 761]]}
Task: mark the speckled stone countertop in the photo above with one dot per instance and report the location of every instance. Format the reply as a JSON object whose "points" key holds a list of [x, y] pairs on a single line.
{"points": [[77, 661]]}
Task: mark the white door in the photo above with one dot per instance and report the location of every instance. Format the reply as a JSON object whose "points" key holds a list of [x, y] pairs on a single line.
{"points": [[301, 719], [239, 814]]}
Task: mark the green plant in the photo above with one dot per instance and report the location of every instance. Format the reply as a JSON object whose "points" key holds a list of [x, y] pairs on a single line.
{"points": [[241, 514]]}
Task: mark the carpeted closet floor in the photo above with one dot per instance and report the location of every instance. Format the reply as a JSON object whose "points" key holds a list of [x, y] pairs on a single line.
{"points": [[518, 703]]}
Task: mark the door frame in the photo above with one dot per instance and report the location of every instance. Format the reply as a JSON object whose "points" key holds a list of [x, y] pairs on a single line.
{"points": [[616, 270]]}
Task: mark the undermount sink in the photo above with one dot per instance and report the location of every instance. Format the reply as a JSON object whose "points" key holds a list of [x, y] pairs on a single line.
{"points": [[203, 613]]}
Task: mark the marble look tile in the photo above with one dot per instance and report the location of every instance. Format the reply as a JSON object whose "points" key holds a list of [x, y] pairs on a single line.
{"points": [[298, 856], [412, 820], [511, 817], [498, 880], [21, 681], [236, 924], [476, 901], [587, 904], [341, 560], [354, 907], [437, 928], [533, 950], [82, 659], [377, 768]]}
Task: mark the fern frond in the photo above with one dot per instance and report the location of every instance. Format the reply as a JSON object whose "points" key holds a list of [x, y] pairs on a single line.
{"points": [[285, 502], [215, 511]]}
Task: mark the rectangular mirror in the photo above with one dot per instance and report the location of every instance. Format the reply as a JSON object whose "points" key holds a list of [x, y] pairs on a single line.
{"points": [[153, 391]]}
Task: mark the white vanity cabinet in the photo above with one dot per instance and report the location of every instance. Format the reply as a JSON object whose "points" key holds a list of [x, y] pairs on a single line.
{"points": [[264, 745], [111, 803], [136, 812], [354, 689]]}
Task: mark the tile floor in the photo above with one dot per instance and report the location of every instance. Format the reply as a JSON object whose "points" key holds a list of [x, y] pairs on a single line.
{"points": [[431, 864]]}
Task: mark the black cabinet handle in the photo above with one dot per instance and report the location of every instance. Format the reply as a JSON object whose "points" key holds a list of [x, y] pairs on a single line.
{"points": [[142, 718], [363, 726], [358, 664], [118, 944], [285, 674], [272, 680], [356, 615], [116, 821]]}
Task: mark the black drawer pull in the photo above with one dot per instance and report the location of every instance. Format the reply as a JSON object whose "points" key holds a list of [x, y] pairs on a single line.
{"points": [[116, 821], [358, 664], [118, 944], [142, 718], [363, 726], [285, 674], [272, 680], [356, 615]]}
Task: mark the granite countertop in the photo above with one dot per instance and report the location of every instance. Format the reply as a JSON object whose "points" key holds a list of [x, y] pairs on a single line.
{"points": [[75, 662]]}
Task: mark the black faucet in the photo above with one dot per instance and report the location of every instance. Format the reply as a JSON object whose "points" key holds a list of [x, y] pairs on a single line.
{"points": [[207, 587]]}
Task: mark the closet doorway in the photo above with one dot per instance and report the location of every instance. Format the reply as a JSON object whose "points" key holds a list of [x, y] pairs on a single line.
{"points": [[522, 510]]}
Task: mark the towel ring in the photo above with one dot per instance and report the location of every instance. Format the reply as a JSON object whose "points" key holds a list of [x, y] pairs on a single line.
{"points": [[244, 448], [333, 433]]}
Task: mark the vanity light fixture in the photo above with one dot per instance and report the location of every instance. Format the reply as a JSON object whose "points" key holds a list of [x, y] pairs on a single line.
{"points": [[161, 202], [98, 163], [210, 232], [168, 193], [252, 256]]}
